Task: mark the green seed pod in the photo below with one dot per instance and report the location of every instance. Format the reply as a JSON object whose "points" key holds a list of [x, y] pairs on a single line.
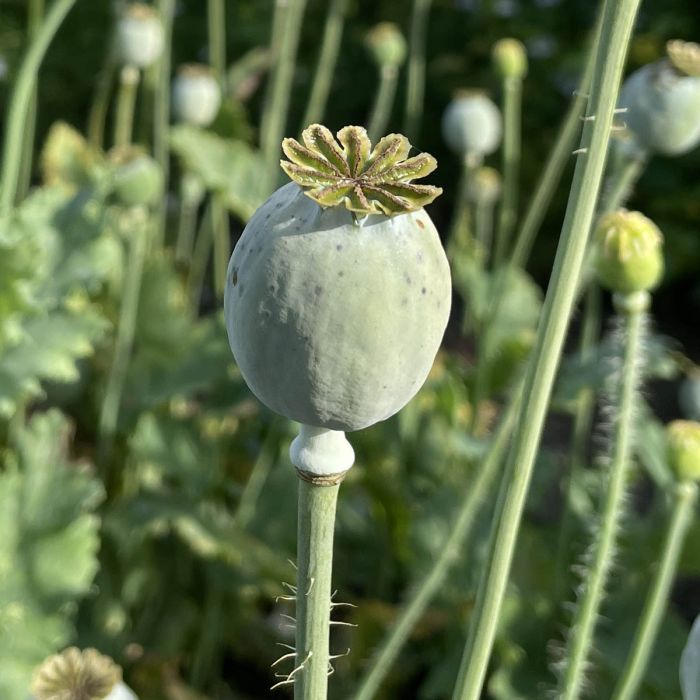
{"points": [[140, 36], [510, 58], [663, 101], [386, 45], [628, 252], [689, 396], [137, 178], [684, 449], [196, 95], [471, 125], [484, 186], [337, 296]]}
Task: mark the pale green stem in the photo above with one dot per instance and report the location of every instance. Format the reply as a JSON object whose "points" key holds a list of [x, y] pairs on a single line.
{"points": [[222, 244], [256, 480], [126, 103], [558, 158], [126, 328], [582, 631], [200, 258], [216, 19], [327, 60], [616, 30], [316, 524], [191, 193], [460, 237], [483, 228], [583, 421], [281, 80], [34, 17], [512, 106], [450, 551], [161, 112], [20, 103], [97, 118], [415, 88], [685, 498], [383, 102]]}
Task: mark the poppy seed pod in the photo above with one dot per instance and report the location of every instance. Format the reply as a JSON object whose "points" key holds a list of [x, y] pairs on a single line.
{"points": [[684, 449], [338, 295], [663, 101], [196, 95], [510, 58], [628, 252], [140, 36], [484, 186], [386, 45], [137, 179], [471, 125]]}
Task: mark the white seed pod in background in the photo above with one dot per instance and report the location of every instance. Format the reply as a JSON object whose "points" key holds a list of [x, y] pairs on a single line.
{"points": [[196, 95], [663, 101], [472, 125], [140, 37]]}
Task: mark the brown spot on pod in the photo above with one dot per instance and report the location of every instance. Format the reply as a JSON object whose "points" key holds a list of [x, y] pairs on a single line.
{"points": [[234, 276], [420, 223]]}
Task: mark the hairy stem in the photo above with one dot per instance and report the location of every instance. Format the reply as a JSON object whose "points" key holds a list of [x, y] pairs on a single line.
{"points": [[327, 60], [316, 525], [684, 499], [422, 594], [286, 30], [129, 77], [383, 102], [610, 57], [586, 616], [20, 103], [512, 106], [415, 89]]}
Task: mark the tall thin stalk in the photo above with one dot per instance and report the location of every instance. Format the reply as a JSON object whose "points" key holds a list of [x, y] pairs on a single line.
{"points": [[684, 499], [583, 626], [422, 594], [415, 90], [161, 111], [216, 21], [286, 30], [325, 65], [20, 103], [109, 414], [316, 524], [222, 243], [191, 195], [383, 102], [34, 16], [129, 77], [512, 106], [617, 26]]}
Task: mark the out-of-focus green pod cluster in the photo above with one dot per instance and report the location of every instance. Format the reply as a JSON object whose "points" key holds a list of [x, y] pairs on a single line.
{"points": [[663, 101], [509, 58], [684, 449], [629, 254], [386, 45], [472, 125], [137, 178]]}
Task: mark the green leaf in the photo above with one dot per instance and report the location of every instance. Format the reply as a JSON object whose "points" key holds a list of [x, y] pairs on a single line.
{"points": [[226, 166], [48, 551]]}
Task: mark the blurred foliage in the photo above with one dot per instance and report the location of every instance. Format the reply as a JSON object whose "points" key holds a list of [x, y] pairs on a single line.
{"points": [[171, 556]]}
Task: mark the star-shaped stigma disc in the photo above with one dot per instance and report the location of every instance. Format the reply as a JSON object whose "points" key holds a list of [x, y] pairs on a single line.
{"points": [[349, 172]]}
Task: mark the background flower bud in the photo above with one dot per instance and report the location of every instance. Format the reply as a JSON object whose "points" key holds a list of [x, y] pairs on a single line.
{"points": [[628, 252], [386, 45], [684, 448], [484, 186], [139, 36], [510, 58], [137, 179]]}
